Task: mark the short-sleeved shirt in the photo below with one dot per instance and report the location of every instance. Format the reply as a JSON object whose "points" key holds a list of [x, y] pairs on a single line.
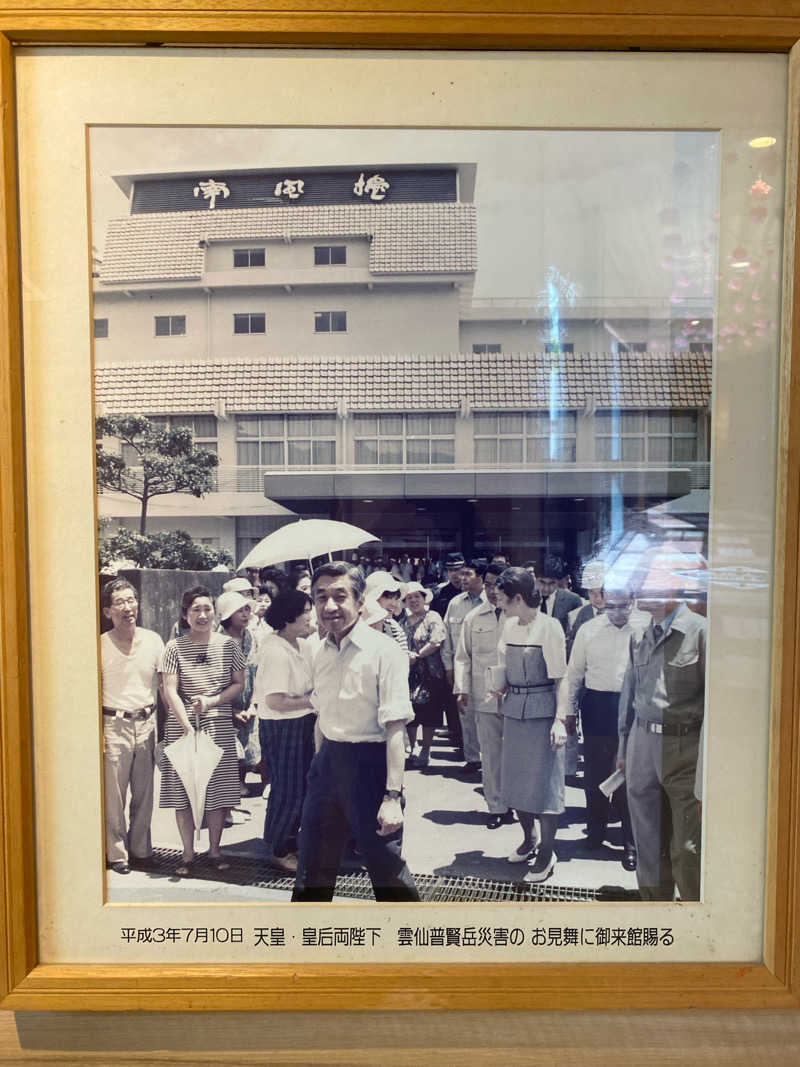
{"points": [[360, 686], [282, 668], [544, 631], [129, 679], [428, 631], [202, 669]]}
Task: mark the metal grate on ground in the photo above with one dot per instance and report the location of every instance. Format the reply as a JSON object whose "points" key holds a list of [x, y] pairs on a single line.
{"points": [[355, 885]]}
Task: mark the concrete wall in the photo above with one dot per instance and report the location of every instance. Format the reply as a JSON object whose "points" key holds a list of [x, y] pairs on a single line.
{"points": [[587, 335], [386, 319], [297, 254]]}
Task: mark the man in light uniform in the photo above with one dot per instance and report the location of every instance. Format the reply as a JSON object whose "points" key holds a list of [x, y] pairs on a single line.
{"points": [[476, 652], [661, 712], [129, 658], [594, 680], [457, 610], [355, 782]]}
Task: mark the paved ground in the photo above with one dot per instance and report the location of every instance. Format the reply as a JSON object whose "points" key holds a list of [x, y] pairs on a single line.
{"points": [[445, 835]]}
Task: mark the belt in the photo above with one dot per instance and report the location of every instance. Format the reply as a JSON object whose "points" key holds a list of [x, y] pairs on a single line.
{"points": [[138, 713], [670, 729], [529, 688]]}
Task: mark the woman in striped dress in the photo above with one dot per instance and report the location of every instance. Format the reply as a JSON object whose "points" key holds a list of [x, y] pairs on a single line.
{"points": [[202, 673]]}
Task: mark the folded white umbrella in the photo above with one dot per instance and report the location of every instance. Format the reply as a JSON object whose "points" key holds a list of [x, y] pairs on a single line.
{"points": [[306, 539], [195, 758]]}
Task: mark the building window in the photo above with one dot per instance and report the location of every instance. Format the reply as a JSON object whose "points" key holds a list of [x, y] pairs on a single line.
{"points": [[330, 321], [700, 348], [203, 427], [621, 347], [282, 441], [485, 348], [248, 322], [101, 327], [564, 348], [524, 437], [170, 325], [646, 436], [330, 255], [404, 440], [249, 257]]}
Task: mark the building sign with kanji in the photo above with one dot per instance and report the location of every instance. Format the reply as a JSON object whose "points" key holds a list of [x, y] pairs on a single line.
{"points": [[296, 188]]}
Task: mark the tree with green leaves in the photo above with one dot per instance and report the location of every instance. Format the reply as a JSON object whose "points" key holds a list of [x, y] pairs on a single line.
{"points": [[164, 461]]}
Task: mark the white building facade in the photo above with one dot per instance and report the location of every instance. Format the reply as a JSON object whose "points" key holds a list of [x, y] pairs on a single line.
{"points": [[317, 330]]}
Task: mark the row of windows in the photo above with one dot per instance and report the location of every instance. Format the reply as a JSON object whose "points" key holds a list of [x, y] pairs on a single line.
{"points": [[243, 322], [324, 256], [484, 348], [384, 439]]}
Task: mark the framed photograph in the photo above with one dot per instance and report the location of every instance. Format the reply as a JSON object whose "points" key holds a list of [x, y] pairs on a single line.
{"points": [[532, 307]]}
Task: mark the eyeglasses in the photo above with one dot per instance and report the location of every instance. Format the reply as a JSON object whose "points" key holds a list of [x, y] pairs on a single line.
{"points": [[123, 602], [202, 657]]}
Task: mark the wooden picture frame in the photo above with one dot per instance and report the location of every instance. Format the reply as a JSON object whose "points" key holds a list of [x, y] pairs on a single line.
{"points": [[29, 985]]}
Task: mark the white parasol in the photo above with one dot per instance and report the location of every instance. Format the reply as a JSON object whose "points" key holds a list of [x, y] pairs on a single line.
{"points": [[305, 539], [195, 758]]}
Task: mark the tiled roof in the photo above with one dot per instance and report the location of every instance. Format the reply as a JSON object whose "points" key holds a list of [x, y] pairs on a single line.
{"points": [[405, 238], [408, 383]]}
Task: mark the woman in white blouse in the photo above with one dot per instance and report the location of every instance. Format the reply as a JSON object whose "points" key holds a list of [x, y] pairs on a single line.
{"points": [[282, 692]]}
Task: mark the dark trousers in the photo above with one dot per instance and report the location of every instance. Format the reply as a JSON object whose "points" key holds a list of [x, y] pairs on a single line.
{"points": [[453, 719], [291, 743], [600, 741], [345, 788]]}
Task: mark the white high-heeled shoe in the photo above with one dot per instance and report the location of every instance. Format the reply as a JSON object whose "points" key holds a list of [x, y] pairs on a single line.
{"points": [[532, 877]]}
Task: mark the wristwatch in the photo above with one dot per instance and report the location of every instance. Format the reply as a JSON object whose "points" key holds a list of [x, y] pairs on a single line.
{"points": [[393, 794]]}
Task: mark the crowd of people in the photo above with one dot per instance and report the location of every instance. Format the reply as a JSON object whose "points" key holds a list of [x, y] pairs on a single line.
{"points": [[332, 684]]}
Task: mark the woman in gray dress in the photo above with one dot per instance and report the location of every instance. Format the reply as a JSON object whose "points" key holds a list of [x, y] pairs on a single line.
{"points": [[530, 672]]}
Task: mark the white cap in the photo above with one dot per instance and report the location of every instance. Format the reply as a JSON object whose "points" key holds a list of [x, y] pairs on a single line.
{"points": [[415, 587], [237, 585], [380, 582], [372, 612], [230, 602], [594, 575]]}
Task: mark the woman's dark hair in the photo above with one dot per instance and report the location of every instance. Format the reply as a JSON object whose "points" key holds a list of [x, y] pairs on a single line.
{"points": [[515, 580], [286, 607], [270, 588], [191, 595]]}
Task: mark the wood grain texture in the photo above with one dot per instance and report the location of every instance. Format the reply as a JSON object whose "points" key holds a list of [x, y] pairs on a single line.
{"points": [[426, 991], [652, 24], [17, 881], [477, 1037]]}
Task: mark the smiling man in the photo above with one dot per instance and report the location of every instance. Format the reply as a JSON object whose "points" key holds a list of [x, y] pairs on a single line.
{"points": [[130, 657], [355, 783]]}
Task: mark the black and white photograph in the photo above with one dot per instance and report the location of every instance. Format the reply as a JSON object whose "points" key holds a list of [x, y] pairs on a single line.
{"points": [[404, 446]]}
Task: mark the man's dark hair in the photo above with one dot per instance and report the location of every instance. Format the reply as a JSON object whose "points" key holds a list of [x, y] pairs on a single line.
{"points": [[515, 580], [286, 607], [554, 567], [496, 568], [191, 595], [112, 587], [477, 565], [358, 582]]}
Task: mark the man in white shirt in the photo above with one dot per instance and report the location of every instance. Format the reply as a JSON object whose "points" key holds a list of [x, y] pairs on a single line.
{"points": [[595, 673], [129, 657], [355, 782], [476, 653], [460, 606]]}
